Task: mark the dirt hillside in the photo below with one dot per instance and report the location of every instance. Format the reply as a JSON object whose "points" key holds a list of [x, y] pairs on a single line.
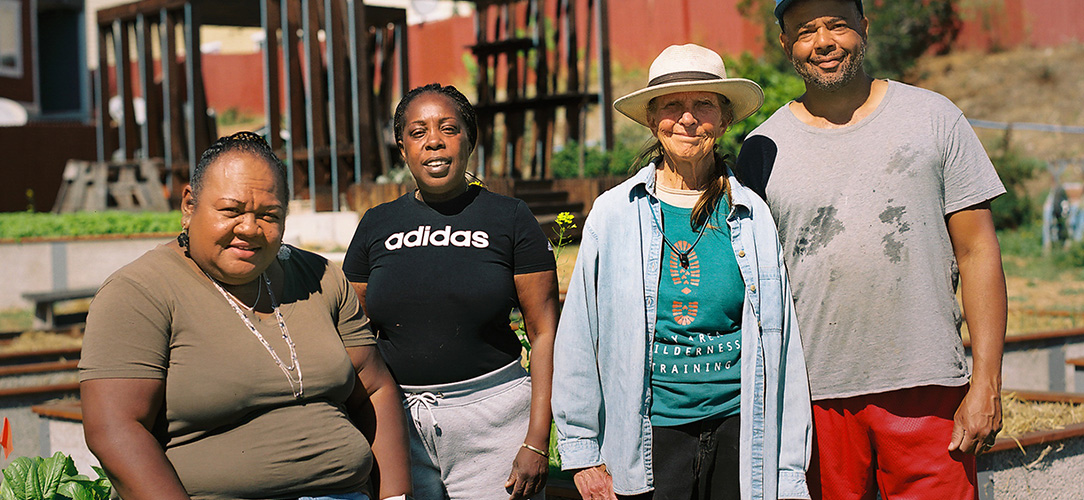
{"points": [[1022, 85]]}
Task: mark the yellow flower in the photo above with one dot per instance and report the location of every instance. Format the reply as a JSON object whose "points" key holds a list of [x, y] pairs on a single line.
{"points": [[565, 219]]}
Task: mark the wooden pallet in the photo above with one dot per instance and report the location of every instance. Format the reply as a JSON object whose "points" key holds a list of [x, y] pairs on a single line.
{"points": [[128, 185]]}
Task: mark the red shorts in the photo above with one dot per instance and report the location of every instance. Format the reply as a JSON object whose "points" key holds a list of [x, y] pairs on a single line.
{"points": [[894, 442]]}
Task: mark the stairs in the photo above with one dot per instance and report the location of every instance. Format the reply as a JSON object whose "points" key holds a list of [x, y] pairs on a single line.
{"points": [[545, 203]]}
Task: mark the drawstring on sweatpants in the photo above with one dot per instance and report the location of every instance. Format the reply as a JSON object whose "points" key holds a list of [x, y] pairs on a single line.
{"points": [[426, 400]]}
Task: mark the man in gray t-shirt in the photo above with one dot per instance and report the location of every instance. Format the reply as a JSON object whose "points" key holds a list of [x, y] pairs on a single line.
{"points": [[881, 192]]}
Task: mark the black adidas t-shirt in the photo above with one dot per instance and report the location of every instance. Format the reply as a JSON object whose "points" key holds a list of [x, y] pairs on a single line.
{"points": [[440, 281]]}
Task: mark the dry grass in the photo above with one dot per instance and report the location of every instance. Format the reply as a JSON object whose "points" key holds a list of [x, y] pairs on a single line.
{"points": [[16, 319], [1020, 85], [565, 262], [1022, 417], [1038, 305], [39, 341]]}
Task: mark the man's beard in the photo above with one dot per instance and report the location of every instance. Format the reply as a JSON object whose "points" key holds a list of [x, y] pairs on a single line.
{"points": [[832, 82]]}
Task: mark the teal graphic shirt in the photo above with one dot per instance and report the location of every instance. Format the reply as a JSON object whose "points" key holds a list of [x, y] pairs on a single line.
{"points": [[696, 353]]}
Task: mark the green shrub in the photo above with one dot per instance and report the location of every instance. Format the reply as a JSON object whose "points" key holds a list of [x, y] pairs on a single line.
{"points": [[901, 32], [18, 225], [1073, 255], [1023, 248], [781, 85], [1015, 208], [565, 164]]}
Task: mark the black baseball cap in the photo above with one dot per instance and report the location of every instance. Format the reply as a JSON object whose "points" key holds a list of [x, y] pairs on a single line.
{"points": [[781, 7]]}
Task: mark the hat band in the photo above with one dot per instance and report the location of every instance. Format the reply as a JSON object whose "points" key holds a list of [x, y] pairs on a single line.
{"points": [[683, 76]]}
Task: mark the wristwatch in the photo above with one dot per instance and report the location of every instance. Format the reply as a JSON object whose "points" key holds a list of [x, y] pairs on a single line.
{"points": [[400, 497]]}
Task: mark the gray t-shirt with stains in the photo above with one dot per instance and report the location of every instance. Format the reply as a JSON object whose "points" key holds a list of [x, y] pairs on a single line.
{"points": [[861, 214]]}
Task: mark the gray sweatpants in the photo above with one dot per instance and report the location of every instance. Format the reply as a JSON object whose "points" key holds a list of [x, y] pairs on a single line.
{"points": [[464, 435]]}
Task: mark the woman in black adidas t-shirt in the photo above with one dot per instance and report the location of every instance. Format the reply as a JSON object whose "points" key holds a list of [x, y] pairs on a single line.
{"points": [[438, 271]]}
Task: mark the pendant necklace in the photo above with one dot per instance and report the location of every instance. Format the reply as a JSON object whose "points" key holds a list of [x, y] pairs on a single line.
{"points": [[298, 388], [683, 257]]}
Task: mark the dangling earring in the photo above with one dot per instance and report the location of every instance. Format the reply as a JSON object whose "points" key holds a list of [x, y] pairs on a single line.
{"points": [[182, 240], [284, 252]]}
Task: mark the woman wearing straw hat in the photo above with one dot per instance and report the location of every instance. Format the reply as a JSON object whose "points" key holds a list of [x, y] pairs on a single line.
{"points": [[678, 369]]}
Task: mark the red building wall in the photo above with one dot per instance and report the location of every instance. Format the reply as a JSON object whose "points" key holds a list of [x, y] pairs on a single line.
{"points": [[1005, 24], [640, 29]]}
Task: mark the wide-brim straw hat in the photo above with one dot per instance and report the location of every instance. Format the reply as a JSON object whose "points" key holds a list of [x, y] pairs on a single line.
{"points": [[691, 68]]}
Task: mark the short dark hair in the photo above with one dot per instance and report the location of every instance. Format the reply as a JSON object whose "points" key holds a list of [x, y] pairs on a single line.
{"points": [[462, 106], [242, 142], [781, 7]]}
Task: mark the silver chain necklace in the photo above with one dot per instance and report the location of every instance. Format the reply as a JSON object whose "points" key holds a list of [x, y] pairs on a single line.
{"points": [[299, 388]]}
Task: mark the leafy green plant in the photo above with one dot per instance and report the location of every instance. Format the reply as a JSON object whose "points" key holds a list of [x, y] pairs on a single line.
{"points": [[565, 163], [18, 225], [781, 85], [1014, 208], [1022, 251], [900, 32], [52, 478]]}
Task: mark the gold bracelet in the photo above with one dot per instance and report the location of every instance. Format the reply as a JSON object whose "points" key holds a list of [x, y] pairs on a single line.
{"points": [[536, 450]]}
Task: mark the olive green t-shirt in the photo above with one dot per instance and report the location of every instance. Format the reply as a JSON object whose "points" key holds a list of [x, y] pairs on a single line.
{"points": [[233, 428]]}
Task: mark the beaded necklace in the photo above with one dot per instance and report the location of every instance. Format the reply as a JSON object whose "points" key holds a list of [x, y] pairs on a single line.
{"points": [[299, 389]]}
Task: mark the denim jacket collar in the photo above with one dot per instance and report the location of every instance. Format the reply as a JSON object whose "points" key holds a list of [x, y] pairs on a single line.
{"points": [[643, 183]]}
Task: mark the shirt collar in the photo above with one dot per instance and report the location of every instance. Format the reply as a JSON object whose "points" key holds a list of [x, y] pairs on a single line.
{"points": [[645, 181]]}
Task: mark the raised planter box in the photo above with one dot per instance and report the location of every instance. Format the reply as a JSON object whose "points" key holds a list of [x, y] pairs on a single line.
{"points": [[1040, 465], [29, 435], [62, 430], [1043, 465], [42, 265]]}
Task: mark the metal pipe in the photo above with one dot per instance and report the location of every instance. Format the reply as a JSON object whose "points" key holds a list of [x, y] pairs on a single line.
{"points": [[284, 10], [122, 90], [355, 57], [191, 51], [167, 59], [333, 135], [306, 42], [141, 46]]}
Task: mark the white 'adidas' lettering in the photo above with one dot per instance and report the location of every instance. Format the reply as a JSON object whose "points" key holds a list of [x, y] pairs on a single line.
{"points": [[425, 236]]}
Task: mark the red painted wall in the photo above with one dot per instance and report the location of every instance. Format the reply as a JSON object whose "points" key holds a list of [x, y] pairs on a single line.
{"points": [[1011, 23], [234, 81], [436, 52], [640, 29]]}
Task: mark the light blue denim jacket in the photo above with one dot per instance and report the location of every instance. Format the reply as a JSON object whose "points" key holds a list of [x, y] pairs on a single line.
{"points": [[602, 357]]}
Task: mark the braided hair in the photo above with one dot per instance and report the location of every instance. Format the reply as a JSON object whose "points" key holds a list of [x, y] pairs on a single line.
{"points": [[241, 142], [462, 106]]}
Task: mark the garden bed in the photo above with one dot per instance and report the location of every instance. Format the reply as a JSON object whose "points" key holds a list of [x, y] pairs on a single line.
{"points": [[1040, 452]]}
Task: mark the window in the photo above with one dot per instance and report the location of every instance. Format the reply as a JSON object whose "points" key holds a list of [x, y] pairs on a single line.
{"points": [[11, 39]]}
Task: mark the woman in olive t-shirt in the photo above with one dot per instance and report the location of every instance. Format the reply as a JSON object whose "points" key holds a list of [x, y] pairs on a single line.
{"points": [[227, 365]]}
